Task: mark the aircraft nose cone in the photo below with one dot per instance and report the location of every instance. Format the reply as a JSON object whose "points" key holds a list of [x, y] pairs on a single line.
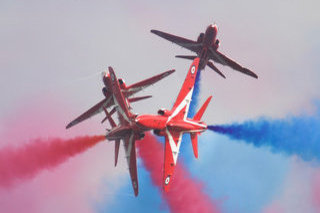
{"points": [[142, 121], [215, 27]]}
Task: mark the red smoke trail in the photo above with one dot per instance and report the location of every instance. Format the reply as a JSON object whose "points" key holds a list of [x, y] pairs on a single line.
{"points": [[185, 194], [25, 162]]}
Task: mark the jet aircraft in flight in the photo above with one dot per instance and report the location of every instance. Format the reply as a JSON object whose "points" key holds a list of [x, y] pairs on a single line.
{"points": [[171, 124], [127, 91], [126, 130], [118, 94], [174, 123], [206, 48]]}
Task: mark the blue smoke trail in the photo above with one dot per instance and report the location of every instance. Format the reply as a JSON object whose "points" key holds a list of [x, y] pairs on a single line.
{"points": [[195, 96], [186, 147], [293, 136]]}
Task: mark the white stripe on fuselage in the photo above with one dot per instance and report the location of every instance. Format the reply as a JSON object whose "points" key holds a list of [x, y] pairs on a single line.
{"points": [[174, 147], [194, 123], [120, 110], [184, 102]]}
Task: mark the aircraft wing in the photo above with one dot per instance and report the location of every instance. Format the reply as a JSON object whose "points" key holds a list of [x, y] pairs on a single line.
{"points": [[105, 103], [224, 60], [185, 94], [130, 148], [172, 146], [136, 87], [183, 42]]}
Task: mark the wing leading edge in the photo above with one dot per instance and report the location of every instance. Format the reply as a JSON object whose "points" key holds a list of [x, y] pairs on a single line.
{"points": [[183, 42], [105, 103], [224, 60]]}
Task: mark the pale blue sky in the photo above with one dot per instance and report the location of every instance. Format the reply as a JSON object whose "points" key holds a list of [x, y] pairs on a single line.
{"points": [[59, 48]]}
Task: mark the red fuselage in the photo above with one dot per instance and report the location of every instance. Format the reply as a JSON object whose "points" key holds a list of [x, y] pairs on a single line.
{"points": [[128, 124], [210, 35], [209, 40], [160, 122]]}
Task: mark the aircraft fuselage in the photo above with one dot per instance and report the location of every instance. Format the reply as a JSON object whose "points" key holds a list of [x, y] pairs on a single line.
{"points": [[210, 36], [160, 122], [209, 40]]}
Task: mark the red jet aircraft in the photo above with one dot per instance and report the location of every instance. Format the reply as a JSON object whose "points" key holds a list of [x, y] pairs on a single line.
{"points": [[172, 124], [127, 130], [116, 94], [206, 48], [128, 91]]}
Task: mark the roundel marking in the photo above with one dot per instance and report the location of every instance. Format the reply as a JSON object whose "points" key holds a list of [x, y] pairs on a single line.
{"points": [[167, 180], [193, 69]]}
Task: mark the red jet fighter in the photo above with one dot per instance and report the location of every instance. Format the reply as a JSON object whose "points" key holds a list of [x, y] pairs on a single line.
{"points": [[206, 48], [127, 130], [127, 91], [172, 124]]}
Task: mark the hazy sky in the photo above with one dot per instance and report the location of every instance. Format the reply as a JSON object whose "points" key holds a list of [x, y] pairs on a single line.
{"points": [[53, 53]]}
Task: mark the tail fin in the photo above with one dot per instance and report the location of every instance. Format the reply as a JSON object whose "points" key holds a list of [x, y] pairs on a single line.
{"points": [[211, 65], [190, 57], [197, 117], [116, 151], [194, 141], [199, 114], [117, 142]]}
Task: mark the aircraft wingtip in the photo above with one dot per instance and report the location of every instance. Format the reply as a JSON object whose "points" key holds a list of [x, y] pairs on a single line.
{"points": [[71, 124], [157, 32], [254, 76]]}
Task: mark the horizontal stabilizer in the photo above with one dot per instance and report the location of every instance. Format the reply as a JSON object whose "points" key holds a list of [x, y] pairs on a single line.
{"points": [[190, 57], [108, 116], [194, 141], [110, 113], [211, 65], [138, 98], [199, 114]]}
